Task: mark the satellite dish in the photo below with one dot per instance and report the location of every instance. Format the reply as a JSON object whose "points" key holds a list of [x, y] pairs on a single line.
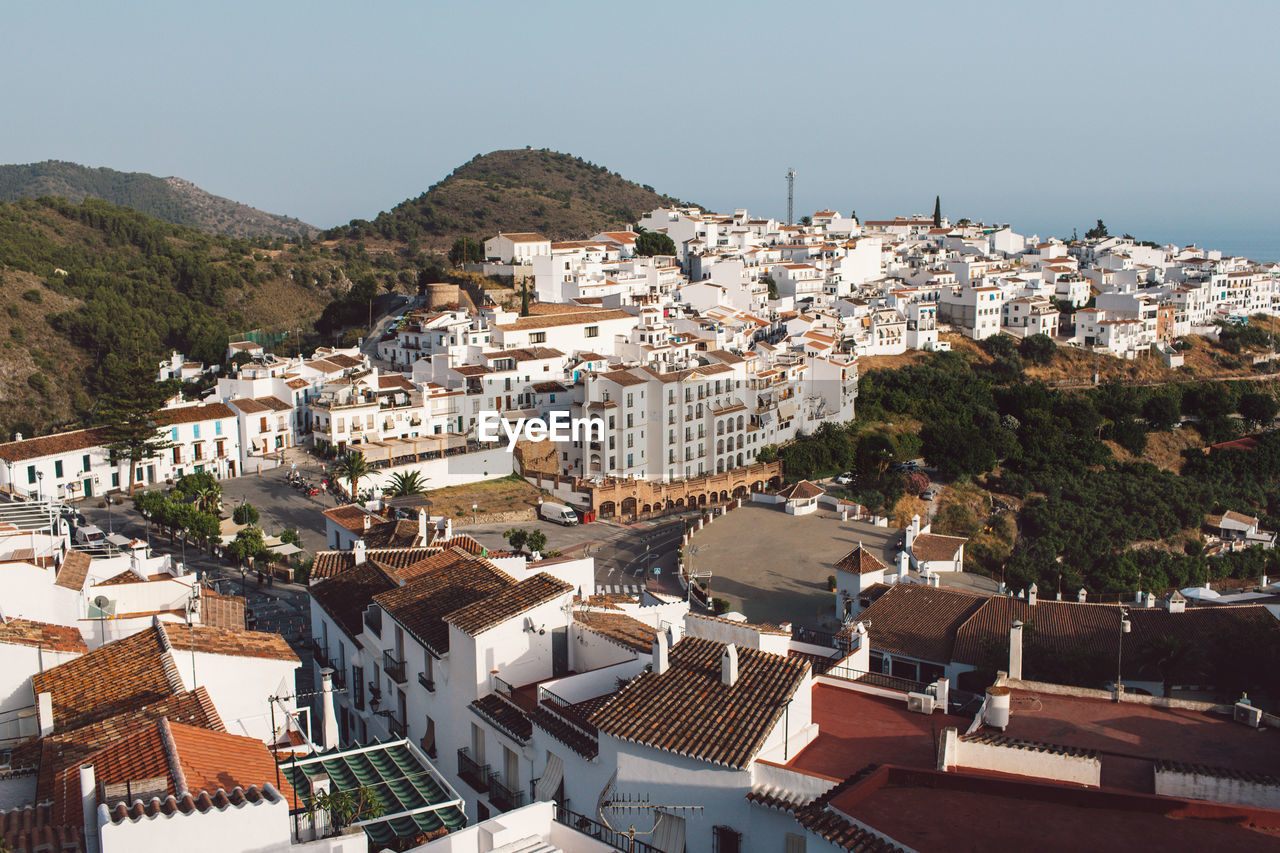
{"points": [[102, 603]]}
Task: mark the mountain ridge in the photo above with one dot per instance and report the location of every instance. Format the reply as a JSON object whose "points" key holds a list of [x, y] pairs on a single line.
{"points": [[560, 195], [172, 199]]}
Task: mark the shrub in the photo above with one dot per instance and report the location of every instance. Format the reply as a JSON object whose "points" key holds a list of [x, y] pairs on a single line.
{"points": [[719, 605], [33, 295], [246, 513]]}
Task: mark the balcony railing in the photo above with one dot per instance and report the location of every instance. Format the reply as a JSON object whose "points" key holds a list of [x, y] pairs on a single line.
{"points": [[503, 798], [394, 724], [339, 678], [473, 773], [320, 652], [426, 682], [394, 667], [600, 832]]}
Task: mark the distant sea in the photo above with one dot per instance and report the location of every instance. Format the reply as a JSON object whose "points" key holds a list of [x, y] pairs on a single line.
{"points": [[1257, 244]]}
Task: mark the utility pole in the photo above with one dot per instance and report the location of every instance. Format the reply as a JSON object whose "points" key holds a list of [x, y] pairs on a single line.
{"points": [[791, 194]]}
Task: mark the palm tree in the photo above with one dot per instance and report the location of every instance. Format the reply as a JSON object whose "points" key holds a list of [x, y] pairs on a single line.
{"points": [[208, 497], [353, 469], [406, 484]]}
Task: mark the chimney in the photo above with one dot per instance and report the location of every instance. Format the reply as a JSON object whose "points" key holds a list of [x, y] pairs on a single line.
{"points": [[357, 550], [17, 436], [729, 665], [1082, 596], [1137, 597], [660, 663], [329, 715], [368, 521], [1176, 602], [423, 539], [1032, 591], [44, 713], [1149, 600], [942, 692], [1015, 650], [903, 563], [913, 530], [89, 807]]}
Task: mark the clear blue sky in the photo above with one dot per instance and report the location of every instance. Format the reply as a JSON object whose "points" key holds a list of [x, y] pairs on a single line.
{"points": [[1159, 117]]}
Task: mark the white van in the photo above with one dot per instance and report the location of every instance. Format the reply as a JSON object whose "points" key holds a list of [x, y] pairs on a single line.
{"points": [[90, 535], [559, 513]]}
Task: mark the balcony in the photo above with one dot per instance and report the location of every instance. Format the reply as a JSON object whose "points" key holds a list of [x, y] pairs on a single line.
{"points": [[339, 678], [599, 831], [428, 746], [429, 684], [504, 799], [394, 724], [320, 652], [394, 667], [474, 774]]}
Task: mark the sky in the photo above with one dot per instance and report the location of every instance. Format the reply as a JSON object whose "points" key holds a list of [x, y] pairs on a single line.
{"points": [[1160, 118]]}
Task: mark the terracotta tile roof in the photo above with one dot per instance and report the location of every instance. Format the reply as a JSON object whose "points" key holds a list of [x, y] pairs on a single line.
{"points": [[33, 829], [524, 354], [58, 638], [618, 628], [442, 584], [393, 534], [49, 445], [343, 360], [689, 711], [1069, 629], [820, 818], [222, 611], [523, 237], [547, 321], [761, 627], [110, 680], [860, 561], [330, 564], [125, 577], [248, 405], [623, 377], [224, 641], [170, 759], [511, 601], [1232, 515], [74, 570], [920, 621], [583, 740], [350, 516], [505, 715], [803, 490], [67, 749], [345, 596], [193, 414], [934, 546]]}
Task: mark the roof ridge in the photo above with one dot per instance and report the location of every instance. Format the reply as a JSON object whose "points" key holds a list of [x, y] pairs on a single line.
{"points": [[171, 756]]}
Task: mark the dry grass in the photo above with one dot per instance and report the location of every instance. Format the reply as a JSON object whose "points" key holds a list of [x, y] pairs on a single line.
{"points": [[505, 494], [1164, 449]]}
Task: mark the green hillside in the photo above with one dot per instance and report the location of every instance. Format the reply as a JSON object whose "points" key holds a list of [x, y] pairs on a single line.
{"points": [[560, 195], [171, 199]]}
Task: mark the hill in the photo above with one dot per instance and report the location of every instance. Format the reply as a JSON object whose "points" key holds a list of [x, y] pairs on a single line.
{"points": [[83, 283], [171, 199], [562, 196]]}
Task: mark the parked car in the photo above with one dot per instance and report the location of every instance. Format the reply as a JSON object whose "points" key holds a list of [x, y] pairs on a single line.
{"points": [[90, 535], [844, 479], [929, 494]]}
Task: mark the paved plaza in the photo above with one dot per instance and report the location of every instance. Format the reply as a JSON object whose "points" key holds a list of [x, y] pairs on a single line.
{"points": [[773, 567]]}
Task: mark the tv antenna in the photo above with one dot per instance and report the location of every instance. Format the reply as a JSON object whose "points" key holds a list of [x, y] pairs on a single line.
{"points": [[791, 195], [628, 805]]}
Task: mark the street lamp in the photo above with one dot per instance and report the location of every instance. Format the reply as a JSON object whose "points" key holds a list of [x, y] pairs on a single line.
{"points": [[40, 485], [1125, 627]]}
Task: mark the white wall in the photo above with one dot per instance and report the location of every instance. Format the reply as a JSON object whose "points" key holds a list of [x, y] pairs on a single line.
{"points": [[17, 664], [239, 687], [1022, 761], [1216, 789], [451, 470], [262, 827]]}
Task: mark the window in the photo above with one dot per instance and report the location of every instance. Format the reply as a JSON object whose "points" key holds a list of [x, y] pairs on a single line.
{"points": [[57, 468], [195, 430], [591, 332], [86, 462], [262, 424], [537, 337], [794, 843], [177, 455], [115, 479], [31, 475], [173, 434], [725, 839]]}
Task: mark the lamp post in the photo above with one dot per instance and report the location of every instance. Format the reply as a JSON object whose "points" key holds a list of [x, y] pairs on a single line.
{"points": [[40, 486], [1124, 629]]}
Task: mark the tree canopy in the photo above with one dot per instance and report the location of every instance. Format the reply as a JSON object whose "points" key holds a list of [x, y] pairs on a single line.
{"points": [[650, 243]]}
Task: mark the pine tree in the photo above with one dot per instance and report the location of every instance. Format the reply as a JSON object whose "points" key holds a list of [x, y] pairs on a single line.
{"points": [[937, 211], [127, 413]]}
